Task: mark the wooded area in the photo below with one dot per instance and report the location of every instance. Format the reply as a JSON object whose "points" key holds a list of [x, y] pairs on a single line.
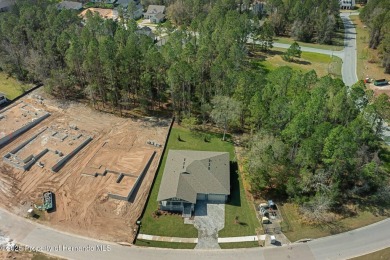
{"points": [[376, 15], [314, 141]]}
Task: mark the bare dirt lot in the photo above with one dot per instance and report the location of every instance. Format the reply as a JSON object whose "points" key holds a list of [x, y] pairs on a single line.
{"points": [[380, 90], [82, 202]]}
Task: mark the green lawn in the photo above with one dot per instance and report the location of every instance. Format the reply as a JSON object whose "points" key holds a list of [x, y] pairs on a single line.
{"points": [[295, 230], [11, 87], [165, 244], [321, 63], [172, 225], [382, 254]]}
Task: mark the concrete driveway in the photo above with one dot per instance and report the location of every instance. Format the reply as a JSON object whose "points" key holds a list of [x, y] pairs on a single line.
{"points": [[209, 219]]}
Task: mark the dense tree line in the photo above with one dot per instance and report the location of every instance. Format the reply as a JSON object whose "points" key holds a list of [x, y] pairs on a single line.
{"points": [[305, 20], [317, 142], [313, 140], [376, 14]]}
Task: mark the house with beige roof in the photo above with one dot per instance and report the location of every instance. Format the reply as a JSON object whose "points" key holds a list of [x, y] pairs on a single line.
{"points": [[190, 176]]}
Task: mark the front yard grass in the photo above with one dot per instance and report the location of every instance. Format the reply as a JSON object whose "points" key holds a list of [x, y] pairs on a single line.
{"points": [[321, 63], [294, 229], [11, 87], [239, 245], [172, 225], [382, 254], [174, 245]]}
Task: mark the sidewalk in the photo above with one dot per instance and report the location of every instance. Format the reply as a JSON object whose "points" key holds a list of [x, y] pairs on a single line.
{"points": [[195, 240], [168, 239]]}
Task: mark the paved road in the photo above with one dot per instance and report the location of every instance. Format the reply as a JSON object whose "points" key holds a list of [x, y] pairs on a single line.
{"points": [[342, 246], [350, 56]]}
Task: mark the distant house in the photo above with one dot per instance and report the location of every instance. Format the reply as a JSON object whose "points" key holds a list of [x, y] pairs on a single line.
{"points": [[190, 176], [125, 3], [104, 13], [103, 1], [347, 4], [258, 7], [138, 10], [70, 5], [155, 13], [146, 31], [6, 4]]}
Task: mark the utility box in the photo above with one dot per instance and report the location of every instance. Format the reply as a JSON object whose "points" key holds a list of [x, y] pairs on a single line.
{"points": [[30, 212], [273, 239]]}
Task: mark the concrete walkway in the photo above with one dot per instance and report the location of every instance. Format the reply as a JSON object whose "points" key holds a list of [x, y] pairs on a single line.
{"points": [[195, 240], [167, 239]]}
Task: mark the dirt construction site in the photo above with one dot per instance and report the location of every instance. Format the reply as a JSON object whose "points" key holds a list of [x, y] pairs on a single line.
{"points": [[100, 167]]}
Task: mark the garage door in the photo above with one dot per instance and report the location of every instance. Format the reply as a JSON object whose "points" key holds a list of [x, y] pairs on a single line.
{"points": [[216, 197], [201, 196]]}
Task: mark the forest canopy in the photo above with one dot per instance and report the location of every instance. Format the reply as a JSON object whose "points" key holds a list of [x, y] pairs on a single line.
{"points": [[376, 14]]}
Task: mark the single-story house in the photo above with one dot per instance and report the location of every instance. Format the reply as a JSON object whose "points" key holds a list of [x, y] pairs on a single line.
{"points": [[70, 5], [190, 176], [6, 4], [104, 13], [155, 13]]}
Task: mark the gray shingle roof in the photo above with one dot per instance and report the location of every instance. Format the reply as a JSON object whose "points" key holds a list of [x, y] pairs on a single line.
{"points": [[6, 3], [155, 9], [160, 16], [69, 5], [188, 173]]}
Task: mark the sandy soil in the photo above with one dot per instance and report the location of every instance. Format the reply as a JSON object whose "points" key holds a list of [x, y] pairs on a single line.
{"points": [[82, 203], [380, 90]]}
